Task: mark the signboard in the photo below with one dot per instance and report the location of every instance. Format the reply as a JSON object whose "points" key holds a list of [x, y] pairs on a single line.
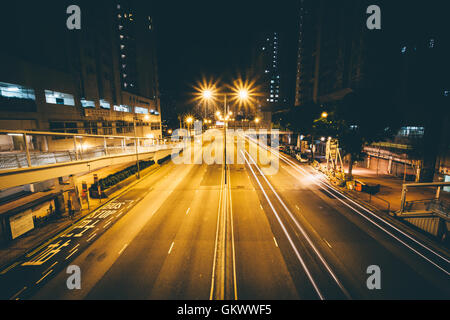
{"points": [[21, 223]]}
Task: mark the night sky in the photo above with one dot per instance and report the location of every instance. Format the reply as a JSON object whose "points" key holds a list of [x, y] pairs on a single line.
{"points": [[214, 38]]}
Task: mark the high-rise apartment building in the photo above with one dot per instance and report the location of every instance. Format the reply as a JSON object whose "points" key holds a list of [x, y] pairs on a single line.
{"points": [[405, 63], [101, 79]]}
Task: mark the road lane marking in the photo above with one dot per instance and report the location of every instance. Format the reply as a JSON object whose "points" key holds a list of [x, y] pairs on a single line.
{"points": [[232, 238], [300, 259], [74, 248], [187, 212], [303, 232], [92, 237], [71, 254], [326, 189], [123, 249], [260, 205], [276, 243], [40, 280], [217, 236], [50, 267], [10, 267], [18, 293], [171, 247], [320, 184], [328, 244]]}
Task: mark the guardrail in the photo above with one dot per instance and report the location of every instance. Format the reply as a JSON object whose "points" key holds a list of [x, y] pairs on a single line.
{"points": [[436, 206], [29, 149]]}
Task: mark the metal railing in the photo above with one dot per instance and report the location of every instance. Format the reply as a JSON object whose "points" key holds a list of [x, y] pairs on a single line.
{"points": [[436, 206], [28, 149]]}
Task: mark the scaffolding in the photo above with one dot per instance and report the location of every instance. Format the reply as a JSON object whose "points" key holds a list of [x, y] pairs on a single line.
{"points": [[335, 166]]}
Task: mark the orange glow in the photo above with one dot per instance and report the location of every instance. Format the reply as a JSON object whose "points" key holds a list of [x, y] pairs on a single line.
{"points": [[244, 93], [206, 92]]}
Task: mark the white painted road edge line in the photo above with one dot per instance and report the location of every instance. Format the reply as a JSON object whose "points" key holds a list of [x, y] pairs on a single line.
{"points": [[303, 264], [303, 232], [123, 249], [296, 167]]}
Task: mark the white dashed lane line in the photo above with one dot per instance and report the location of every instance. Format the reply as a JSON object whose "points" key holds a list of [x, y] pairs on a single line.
{"points": [[171, 247]]}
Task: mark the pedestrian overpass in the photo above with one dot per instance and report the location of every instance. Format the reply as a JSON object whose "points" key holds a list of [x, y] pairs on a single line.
{"points": [[33, 157]]}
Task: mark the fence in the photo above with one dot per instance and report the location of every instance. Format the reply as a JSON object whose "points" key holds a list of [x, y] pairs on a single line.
{"points": [[27, 149]]}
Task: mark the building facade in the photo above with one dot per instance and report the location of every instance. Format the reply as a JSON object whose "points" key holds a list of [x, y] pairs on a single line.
{"points": [[101, 79], [405, 62]]}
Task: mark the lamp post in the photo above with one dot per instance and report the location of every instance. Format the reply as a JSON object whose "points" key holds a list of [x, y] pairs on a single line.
{"points": [[135, 118], [241, 94], [189, 120]]}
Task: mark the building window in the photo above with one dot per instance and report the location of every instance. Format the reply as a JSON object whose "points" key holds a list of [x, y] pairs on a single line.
{"points": [[8, 90], [431, 43], [122, 108], [140, 110], [104, 104], [54, 97], [412, 131], [87, 103]]}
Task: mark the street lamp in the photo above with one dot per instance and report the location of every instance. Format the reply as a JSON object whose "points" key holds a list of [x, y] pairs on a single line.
{"points": [[136, 142], [324, 115], [240, 94], [189, 120], [257, 121]]}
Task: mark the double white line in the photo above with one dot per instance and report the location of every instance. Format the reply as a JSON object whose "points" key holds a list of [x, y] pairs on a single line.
{"points": [[220, 278]]}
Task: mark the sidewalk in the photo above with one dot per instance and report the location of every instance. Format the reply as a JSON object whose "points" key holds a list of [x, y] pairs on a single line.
{"points": [[18, 247], [391, 189]]}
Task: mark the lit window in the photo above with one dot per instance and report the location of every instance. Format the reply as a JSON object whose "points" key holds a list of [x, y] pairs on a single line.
{"points": [[8, 90], [140, 110], [54, 97], [412, 131], [87, 103], [104, 104], [431, 43], [122, 108]]}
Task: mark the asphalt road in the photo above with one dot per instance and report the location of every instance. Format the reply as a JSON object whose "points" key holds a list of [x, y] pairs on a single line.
{"points": [[181, 233]]}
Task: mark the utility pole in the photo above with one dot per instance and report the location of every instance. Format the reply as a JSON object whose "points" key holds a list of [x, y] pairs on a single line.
{"points": [[136, 145], [225, 124]]}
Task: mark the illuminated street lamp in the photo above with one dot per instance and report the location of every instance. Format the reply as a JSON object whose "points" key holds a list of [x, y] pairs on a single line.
{"points": [[324, 115], [207, 94], [189, 121], [240, 93], [257, 120]]}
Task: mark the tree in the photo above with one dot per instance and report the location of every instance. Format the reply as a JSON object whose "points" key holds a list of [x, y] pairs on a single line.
{"points": [[361, 118]]}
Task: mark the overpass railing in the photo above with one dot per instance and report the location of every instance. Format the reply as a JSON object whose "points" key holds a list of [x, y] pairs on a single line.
{"points": [[27, 149]]}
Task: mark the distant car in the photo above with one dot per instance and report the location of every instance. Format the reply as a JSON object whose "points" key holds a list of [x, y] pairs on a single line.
{"points": [[299, 157]]}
